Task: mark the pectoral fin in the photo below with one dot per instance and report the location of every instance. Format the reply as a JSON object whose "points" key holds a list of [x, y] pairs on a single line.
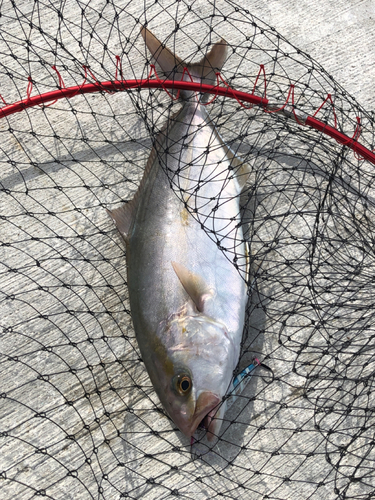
{"points": [[194, 285]]}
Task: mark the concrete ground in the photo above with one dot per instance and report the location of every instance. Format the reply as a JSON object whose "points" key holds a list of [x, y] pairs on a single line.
{"points": [[78, 416]]}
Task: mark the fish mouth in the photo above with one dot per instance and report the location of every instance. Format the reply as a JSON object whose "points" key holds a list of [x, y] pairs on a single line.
{"points": [[205, 411]]}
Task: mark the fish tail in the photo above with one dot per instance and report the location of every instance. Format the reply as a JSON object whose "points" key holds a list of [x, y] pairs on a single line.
{"points": [[173, 66]]}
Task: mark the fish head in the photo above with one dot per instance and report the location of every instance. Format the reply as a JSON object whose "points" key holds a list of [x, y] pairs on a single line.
{"points": [[195, 371]]}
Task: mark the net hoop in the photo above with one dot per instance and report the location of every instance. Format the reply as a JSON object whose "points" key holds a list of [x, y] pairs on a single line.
{"points": [[224, 91]]}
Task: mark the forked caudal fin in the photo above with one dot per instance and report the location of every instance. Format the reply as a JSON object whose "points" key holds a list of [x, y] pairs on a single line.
{"points": [[173, 66], [204, 72]]}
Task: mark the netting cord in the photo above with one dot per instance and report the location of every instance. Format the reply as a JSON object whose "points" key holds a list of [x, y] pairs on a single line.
{"points": [[290, 111]]}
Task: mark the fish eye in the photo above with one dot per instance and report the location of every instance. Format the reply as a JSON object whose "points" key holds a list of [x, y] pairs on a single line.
{"points": [[182, 383], [185, 384]]}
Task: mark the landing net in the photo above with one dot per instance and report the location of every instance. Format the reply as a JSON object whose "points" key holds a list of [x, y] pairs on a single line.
{"points": [[78, 416]]}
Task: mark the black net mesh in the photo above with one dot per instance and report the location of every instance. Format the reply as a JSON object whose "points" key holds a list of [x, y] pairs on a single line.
{"points": [[79, 417]]}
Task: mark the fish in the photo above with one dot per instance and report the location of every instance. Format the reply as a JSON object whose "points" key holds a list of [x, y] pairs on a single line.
{"points": [[187, 297]]}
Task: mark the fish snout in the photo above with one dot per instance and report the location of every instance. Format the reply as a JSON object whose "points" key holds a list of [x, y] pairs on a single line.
{"points": [[205, 410]]}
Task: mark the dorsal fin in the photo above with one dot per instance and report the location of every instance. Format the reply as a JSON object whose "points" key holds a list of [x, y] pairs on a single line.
{"points": [[124, 216], [194, 285]]}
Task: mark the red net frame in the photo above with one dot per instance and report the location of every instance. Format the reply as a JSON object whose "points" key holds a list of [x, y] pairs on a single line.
{"points": [[216, 90]]}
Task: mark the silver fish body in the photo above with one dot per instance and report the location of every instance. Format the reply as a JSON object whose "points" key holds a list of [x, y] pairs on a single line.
{"points": [[187, 298]]}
